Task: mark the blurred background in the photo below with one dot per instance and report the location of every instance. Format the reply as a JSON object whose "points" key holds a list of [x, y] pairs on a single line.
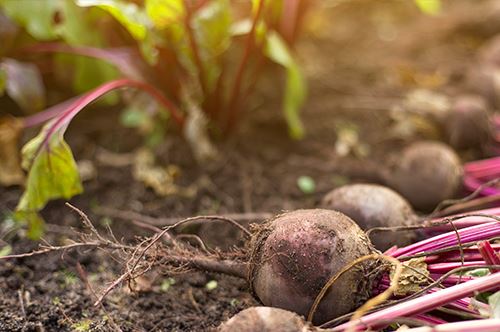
{"points": [[179, 108]]}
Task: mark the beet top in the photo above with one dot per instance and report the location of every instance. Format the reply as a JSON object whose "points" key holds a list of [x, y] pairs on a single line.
{"points": [[372, 205], [294, 255]]}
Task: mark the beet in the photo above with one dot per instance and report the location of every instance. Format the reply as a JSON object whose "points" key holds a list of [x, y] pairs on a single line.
{"points": [[372, 205], [426, 173], [483, 76], [294, 255], [467, 124], [265, 319]]}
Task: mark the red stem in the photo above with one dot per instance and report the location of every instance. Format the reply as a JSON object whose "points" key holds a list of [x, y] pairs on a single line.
{"points": [[51, 112], [116, 56], [233, 101], [215, 102], [488, 253], [289, 19], [91, 96], [424, 303], [195, 49]]}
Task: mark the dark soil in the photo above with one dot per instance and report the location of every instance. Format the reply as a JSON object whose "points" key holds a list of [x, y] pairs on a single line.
{"points": [[360, 57]]}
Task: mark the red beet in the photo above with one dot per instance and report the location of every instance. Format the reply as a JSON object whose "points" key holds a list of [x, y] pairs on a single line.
{"points": [[265, 319], [467, 124], [371, 205], [426, 173], [294, 255]]}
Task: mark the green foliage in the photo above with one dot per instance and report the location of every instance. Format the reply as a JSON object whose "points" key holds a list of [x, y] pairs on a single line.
{"points": [[295, 90], [5, 250], [36, 16], [52, 173], [187, 51], [494, 302], [430, 7], [166, 284], [306, 184], [128, 14], [211, 285], [165, 14], [211, 28], [85, 325], [3, 81], [479, 272]]}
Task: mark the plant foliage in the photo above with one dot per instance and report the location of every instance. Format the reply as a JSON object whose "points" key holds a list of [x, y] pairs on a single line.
{"points": [[188, 54]]}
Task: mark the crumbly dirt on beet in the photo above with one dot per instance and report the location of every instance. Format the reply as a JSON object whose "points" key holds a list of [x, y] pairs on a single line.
{"points": [[296, 253]]}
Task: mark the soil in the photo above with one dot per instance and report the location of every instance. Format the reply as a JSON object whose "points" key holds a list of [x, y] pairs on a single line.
{"points": [[360, 57]]}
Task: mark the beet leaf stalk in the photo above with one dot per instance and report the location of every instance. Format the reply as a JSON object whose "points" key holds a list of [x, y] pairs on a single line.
{"points": [[483, 325], [478, 173], [52, 170], [423, 304]]}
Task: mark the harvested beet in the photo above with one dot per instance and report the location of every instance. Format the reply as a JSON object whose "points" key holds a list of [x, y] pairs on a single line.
{"points": [[265, 319], [372, 205], [483, 76], [294, 255], [426, 173], [467, 124]]}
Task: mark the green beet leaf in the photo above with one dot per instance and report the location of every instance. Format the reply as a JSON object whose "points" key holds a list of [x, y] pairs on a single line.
{"points": [[430, 7], [87, 72], [38, 19], [212, 29], [36, 16], [131, 16], [295, 90], [164, 13], [494, 302], [168, 20], [52, 174], [3, 81]]}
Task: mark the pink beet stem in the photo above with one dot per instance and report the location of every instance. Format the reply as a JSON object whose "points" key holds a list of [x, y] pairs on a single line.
{"points": [[424, 303], [481, 165], [91, 96], [463, 222], [468, 234], [474, 184], [442, 268], [51, 112], [489, 255], [481, 325]]}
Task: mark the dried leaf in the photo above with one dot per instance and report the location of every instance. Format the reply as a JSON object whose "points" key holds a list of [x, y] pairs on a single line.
{"points": [[160, 179], [113, 159], [348, 141], [86, 169], [413, 276], [10, 165], [196, 134], [427, 102]]}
